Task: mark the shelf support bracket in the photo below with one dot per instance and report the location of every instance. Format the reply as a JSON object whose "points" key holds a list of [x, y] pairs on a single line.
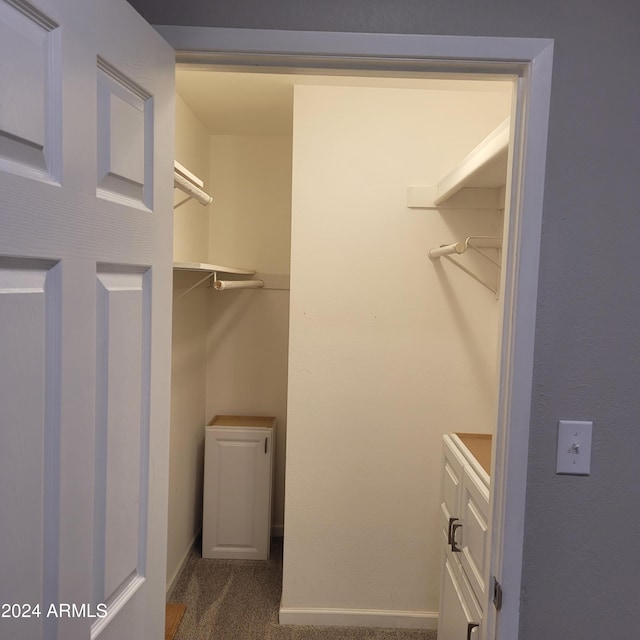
{"points": [[472, 242], [197, 284]]}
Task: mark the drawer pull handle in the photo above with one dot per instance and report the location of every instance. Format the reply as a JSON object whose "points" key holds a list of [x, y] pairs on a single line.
{"points": [[451, 521], [454, 547], [470, 627]]}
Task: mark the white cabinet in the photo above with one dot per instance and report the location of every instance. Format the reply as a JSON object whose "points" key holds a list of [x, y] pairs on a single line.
{"points": [[464, 512], [238, 478]]}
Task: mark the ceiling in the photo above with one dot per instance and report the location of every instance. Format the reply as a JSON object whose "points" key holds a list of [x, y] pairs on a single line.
{"points": [[261, 103]]}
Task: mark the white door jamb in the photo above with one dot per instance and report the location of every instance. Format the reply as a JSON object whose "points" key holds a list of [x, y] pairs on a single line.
{"points": [[529, 60]]}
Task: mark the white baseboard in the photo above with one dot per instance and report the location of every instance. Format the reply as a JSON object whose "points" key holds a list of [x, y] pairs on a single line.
{"points": [[174, 578], [360, 618]]}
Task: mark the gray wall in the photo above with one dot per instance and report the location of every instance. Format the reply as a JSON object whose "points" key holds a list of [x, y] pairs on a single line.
{"points": [[581, 546]]}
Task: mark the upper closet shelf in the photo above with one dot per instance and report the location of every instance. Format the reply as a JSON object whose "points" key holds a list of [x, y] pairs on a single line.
{"points": [[210, 268], [476, 183]]}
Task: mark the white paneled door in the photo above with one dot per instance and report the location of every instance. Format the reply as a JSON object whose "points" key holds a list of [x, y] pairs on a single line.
{"points": [[86, 157]]}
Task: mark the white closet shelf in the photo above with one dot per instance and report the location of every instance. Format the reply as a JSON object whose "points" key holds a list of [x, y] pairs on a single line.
{"points": [[484, 167], [210, 268], [476, 181]]}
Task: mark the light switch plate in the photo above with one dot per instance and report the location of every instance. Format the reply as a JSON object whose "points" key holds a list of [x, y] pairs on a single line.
{"points": [[574, 447]]}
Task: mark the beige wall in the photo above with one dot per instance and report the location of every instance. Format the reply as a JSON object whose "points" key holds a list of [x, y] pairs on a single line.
{"points": [[388, 350], [188, 370], [251, 212], [248, 330], [191, 220]]}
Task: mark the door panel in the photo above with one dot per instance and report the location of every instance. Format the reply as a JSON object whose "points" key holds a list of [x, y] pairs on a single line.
{"points": [[86, 188], [28, 438], [237, 466], [125, 138], [29, 103], [237, 481], [122, 426]]}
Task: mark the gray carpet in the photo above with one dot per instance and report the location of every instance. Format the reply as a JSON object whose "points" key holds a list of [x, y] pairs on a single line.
{"points": [[239, 600]]}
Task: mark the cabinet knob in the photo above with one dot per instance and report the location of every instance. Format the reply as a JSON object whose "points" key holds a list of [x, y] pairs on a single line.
{"points": [[451, 521], [454, 547], [470, 627]]}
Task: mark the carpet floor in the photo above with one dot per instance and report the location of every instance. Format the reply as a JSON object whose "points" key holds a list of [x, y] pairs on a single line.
{"points": [[239, 600]]}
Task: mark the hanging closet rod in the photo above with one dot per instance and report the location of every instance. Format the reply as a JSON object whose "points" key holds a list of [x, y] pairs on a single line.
{"points": [[472, 242], [223, 285], [186, 181], [477, 243]]}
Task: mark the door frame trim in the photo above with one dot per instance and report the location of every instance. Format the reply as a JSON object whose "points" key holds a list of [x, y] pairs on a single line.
{"points": [[529, 61]]}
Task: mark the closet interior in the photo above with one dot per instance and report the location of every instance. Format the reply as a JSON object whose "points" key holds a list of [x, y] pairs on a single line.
{"points": [[344, 279]]}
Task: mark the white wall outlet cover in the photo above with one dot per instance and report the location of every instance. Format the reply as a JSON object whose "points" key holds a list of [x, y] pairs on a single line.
{"points": [[574, 447]]}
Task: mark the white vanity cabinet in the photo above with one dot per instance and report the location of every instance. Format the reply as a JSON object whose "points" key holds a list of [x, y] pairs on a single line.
{"points": [[238, 478], [464, 512]]}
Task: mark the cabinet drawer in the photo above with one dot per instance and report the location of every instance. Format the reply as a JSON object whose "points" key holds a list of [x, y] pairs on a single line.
{"points": [[474, 533]]}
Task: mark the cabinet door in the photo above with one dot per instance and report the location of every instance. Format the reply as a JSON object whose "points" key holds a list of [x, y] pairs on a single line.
{"points": [[459, 611], [450, 482], [473, 537], [237, 493]]}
